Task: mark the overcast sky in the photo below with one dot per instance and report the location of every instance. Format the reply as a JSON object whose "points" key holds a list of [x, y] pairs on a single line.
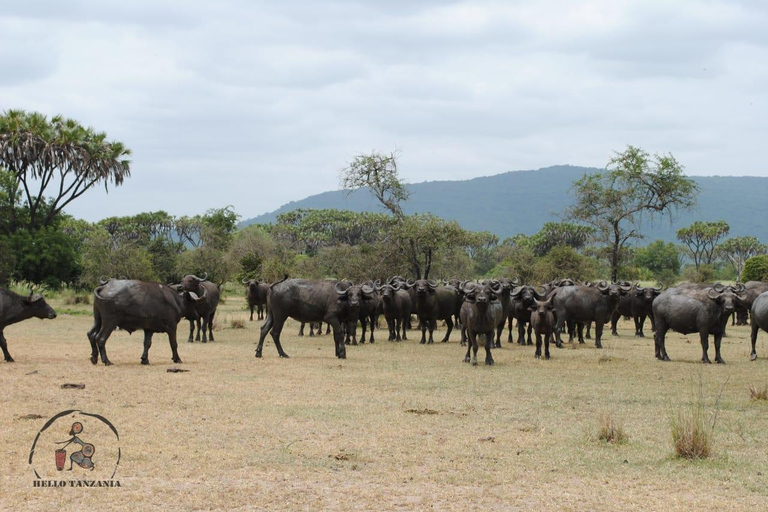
{"points": [[255, 104]]}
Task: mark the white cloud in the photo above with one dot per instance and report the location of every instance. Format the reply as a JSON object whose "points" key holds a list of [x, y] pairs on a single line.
{"points": [[257, 103]]}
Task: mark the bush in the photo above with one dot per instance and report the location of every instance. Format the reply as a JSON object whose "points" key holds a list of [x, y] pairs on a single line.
{"points": [[610, 429], [755, 269], [691, 437]]}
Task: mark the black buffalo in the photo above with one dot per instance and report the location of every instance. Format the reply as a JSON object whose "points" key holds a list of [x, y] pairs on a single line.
{"points": [[481, 313], [434, 303], [523, 298], [16, 308], [310, 301], [205, 309], [366, 314], [256, 295], [543, 322], [758, 319], [132, 305], [396, 307], [582, 304], [688, 309], [637, 304]]}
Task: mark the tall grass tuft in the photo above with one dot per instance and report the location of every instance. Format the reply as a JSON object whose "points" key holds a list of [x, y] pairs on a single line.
{"points": [[692, 434], [610, 429], [758, 393]]}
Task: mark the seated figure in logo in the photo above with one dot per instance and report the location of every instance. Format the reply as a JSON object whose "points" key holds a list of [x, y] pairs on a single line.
{"points": [[82, 457]]}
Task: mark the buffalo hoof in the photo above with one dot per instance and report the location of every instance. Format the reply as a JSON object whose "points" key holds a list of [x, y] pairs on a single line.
{"points": [[258, 354], [497, 345], [474, 362], [614, 333], [537, 356], [639, 335], [9, 359], [107, 363], [752, 357], [177, 360], [284, 355], [145, 361], [465, 360], [489, 363], [719, 360], [559, 345], [190, 341], [530, 343], [546, 357], [422, 342], [706, 361], [94, 359], [340, 356]]}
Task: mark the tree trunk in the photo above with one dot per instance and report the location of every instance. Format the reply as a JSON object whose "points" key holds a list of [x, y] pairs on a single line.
{"points": [[615, 254]]}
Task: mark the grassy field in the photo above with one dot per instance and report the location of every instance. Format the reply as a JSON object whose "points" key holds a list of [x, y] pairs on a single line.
{"points": [[395, 426]]}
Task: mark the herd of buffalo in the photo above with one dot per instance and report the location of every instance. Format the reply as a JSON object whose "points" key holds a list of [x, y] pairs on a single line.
{"points": [[480, 309]]}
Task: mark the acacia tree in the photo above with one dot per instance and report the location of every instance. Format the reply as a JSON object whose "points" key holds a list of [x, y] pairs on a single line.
{"points": [[54, 162], [739, 249], [635, 186], [702, 238], [378, 172]]}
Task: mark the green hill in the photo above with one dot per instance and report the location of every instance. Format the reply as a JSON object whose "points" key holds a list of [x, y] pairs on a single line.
{"points": [[522, 201]]}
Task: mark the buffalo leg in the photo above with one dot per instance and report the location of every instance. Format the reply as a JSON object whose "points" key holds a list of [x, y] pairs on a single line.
{"points": [[276, 330], [598, 334], [704, 335], [510, 338], [399, 325], [372, 323], [251, 307], [755, 329], [659, 338], [403, 325], [301, 329], [589, 332], [4, 346], [147, 344], [210, 326], [520, 332], [537, 355], [198, 322], [499, 328], [392, 328], [469, 347], [338, 338], [614, 322], [558, 330], [718, 358], [530, 328], [547, 339], [174, 345], [488, 347], [191, 331], [449, 323], [432, 325], [423, 326]]}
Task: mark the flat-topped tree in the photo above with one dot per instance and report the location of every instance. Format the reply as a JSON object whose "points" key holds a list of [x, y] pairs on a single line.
{"points": [[54, 161], [635, 186]]}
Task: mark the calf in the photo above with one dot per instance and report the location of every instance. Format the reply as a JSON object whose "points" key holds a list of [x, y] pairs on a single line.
{"points": [[396, 305], [256, 294], [543, 322]]}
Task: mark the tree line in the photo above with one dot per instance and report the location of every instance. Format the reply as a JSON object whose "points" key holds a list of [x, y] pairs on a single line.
{"points": [[45, 164]]}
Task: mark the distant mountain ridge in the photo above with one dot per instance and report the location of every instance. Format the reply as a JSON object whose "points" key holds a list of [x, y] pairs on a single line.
{"points": [[522, 201]]}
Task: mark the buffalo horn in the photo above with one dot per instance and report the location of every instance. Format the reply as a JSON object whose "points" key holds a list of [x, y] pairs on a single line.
{"points": [[367, 289], [339, 290], [602, 286], [496, 287], [246, 281], [410, 282], [717, 294], [432, 284], [718, 287]]}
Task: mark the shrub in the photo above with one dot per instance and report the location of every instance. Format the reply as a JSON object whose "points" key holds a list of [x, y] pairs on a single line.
{"points": [[237, 323], [610, 429], [755, 269], [691, 436], [758, 393]]}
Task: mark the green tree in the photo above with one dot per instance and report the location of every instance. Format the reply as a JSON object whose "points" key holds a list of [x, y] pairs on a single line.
{"points": [[53, 162], [739, 249], [634, 187], [45, 256], [553, 234], [701, 239], [378, 172], [661, 258], [755, 269], [564, 261]]}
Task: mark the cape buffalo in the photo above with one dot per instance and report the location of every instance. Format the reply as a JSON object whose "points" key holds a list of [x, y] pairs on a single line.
{"points": [[433, 303], [15, 308], [753, 289], [582, 304], [397, 306], [523, 298], [636, 305], [311, 301], [205, 309], [256, 294], [366, 314], [543, 322], [132, 305], [480, 315], [687, 310], [758, 319]]}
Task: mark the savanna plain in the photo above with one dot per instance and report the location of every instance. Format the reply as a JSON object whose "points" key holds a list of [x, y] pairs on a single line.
{"points": [[395, 426]]}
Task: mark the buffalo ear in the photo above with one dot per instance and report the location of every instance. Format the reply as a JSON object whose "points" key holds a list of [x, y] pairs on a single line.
{"points": [[531, 309]]}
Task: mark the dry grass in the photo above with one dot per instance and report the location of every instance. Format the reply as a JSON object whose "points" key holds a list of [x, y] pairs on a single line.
{"points": [[758, 393], [691, 435], [610, 429], [395, 426]]}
